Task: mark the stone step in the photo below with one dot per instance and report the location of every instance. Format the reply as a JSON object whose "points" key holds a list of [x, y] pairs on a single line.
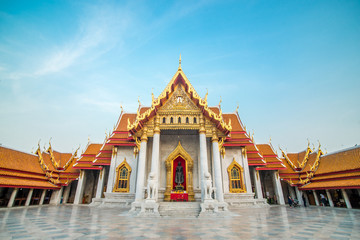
{"points": [[179, 209]]}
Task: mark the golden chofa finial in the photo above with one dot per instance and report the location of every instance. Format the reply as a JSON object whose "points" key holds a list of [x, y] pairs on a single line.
{"points": [[270, 140], [180, 62], [220, 102], [122, 109], [139, 101], [237, 108], [88, 139]]}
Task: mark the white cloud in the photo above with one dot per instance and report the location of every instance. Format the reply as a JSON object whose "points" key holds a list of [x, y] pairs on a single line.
{"points": [[98, 32]]}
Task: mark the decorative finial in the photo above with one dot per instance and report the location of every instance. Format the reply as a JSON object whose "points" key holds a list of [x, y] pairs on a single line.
{"points": [[139, 101], [237, 108], [308, 142], [122, 109], [88, 139], [220, 102], [206, 95], [270, 140], [180, 62], [152, 95]]}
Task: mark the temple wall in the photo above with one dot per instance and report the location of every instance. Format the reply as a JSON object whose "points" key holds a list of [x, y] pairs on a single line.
{"points": [[190, 143], [122, 153], [231, 153]]}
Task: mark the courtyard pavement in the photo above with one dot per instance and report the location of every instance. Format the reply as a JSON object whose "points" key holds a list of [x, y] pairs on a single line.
{"points": [[84, 222]]}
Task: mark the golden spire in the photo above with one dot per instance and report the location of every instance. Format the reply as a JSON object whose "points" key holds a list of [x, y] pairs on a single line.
{"points": [[179, 62]]}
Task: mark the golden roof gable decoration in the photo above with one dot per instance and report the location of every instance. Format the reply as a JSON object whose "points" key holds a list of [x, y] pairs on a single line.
{"points": [[179, 78]]}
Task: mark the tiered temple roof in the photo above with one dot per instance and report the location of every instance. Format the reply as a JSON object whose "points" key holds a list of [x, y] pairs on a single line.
{"points": [[19, 169]]}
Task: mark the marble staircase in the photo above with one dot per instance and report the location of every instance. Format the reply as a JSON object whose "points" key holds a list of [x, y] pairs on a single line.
{"points": [[179, 209]]}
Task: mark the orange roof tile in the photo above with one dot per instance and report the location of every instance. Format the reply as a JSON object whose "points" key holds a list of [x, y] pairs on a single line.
{"points": [[345, 160], [7, 181], [333, 184], [17, 160]]}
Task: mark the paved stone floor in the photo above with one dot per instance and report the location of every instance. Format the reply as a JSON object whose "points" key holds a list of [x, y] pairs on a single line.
{"points": [[83, 222]]}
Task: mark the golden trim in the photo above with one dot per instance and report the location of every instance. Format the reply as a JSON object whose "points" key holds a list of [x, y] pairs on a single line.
{"points": [[116, 188], [241, 172], [179, 151], [156, 103]]}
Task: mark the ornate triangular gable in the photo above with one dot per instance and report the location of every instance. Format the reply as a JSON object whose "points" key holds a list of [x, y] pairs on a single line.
{"points": [[179, 79]]}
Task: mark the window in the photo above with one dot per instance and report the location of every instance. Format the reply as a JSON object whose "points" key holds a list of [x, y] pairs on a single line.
{"points": [[236, 183], [187, 120], [194, 119], [164, 120], [171, 120], [235, 178], [122, 177], [179, 120]]}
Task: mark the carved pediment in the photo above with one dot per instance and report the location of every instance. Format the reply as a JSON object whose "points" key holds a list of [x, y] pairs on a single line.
{"points": [[179, 101]]}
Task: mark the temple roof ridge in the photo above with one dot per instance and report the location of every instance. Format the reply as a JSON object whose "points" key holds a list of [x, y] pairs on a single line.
{"points": [[342, 150], [13, 149]]}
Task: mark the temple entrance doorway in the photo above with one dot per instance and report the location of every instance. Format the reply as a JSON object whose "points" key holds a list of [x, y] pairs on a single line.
{"points": [[179, 176]]}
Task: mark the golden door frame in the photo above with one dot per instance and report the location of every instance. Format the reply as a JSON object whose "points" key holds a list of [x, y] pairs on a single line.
{"points": [[169, 163]]}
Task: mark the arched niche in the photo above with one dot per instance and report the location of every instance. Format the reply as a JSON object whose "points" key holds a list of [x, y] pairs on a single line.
{"points": [[179, 153]]}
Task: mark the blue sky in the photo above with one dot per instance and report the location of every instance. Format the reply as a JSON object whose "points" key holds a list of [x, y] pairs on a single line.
{"points": [[292, 66]]}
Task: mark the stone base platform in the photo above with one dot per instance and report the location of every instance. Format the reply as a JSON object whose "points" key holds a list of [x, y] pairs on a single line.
{"points": [[121, 200], [244, 200]]}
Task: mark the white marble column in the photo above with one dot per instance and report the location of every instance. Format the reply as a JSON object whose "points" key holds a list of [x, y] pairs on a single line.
{"points": [[66, 193], [112, 171], [203, 156], [258, 190], [299, 196], [306, 199], [12, 197], [217, 167], [156, 153], [328, 194], [140, 178], [56, 196], [100, 183], [28, 199], [247, 174], [80, 187], [278, 189], [316, 198], [346, 198], [42, 198], [291, 191]]}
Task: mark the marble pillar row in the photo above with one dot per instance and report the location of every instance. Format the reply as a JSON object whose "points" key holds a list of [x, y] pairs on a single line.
{"points": [[203, 156], [80, 187], [155, 158], [100, 183], [346, 198], [247, 174], [278, 189], [316, 198], [56, 196], [42, 198], [258, 190], [331, 203], [291, 191], [29, 196], [217, 167], [66, 194], [140, 178], [112, 170], [12, 197], [299, 196]]}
